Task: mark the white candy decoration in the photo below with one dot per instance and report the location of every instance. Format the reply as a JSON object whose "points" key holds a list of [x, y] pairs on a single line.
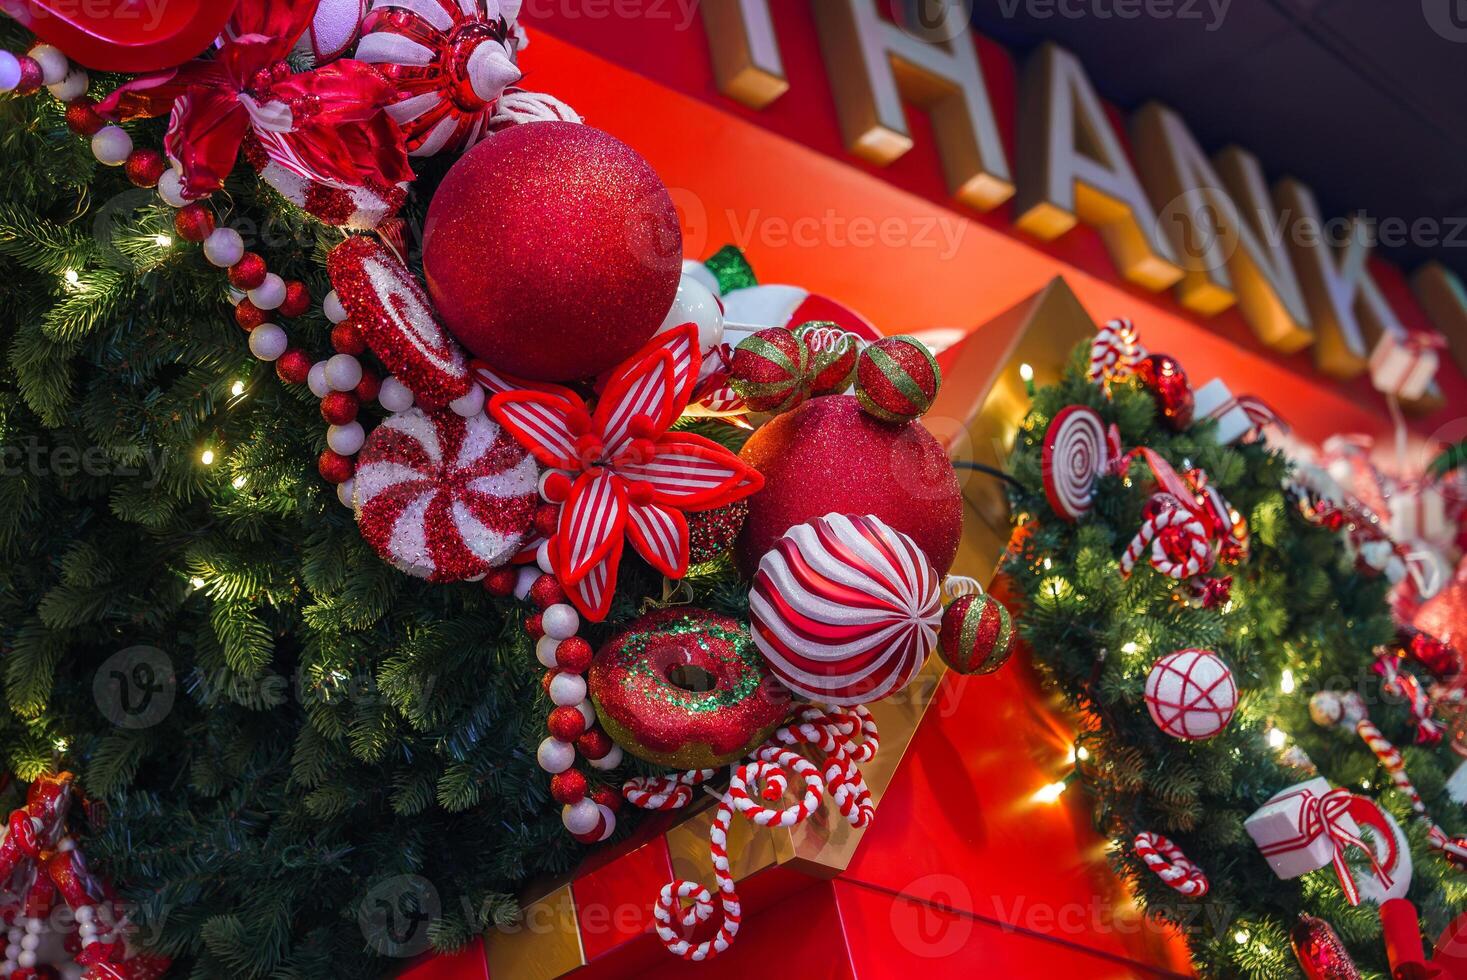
{"points": [[346, 439], [268, 341], [269, 294], [394, 395], [696, 303], [555, 756], [111, 146], [1191, 694], [316, 380], [845, 609], [334, 29], [224, 247], [343, 372], [560, 621]]}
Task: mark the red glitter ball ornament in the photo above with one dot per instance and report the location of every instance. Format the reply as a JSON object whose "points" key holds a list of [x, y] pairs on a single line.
{"points": [[595, 744], [712, 532], [568, 787], [897, 379], [248, 315], [347, 339], [297, 299], [193, 222], [82, 118], [1163, 377], [294, 366], [339, 407], [334, 467], [369, 387], [566, 723], [547, 520], [977, 635], [546, 591], [552, 251], [31, 75], [501, 581], [573, 654], [828, 456], [249, 272], [144, 167], [607, 797], [535, 627]]}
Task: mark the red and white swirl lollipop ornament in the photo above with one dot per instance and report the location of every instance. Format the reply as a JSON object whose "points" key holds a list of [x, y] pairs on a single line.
{"points": [[845, 609], [1167, 862], [1076, 454], [1191, 694], [1115, 352], [443, 497]]}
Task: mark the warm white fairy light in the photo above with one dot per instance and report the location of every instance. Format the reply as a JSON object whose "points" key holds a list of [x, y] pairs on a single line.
{"points": [[162, 241], [72, 277], [1050, 793], [1277, 738], [1286, 681], [237, 389], [196, 582], [1026, 372], [238, 482], [1129, 648], [1240, 937], [207, 457]]}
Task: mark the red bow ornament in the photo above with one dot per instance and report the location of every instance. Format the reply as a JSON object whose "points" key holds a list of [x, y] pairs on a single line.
{"points": [[623, 476], [321, 138]]}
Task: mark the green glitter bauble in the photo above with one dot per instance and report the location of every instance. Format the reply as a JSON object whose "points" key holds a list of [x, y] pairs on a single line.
{"points": [[687, 689]]}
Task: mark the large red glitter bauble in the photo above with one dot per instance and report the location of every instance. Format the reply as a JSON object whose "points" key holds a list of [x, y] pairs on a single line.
{"points": [[1163, 377], [552, 251], [1444, 615], [828, 456]]}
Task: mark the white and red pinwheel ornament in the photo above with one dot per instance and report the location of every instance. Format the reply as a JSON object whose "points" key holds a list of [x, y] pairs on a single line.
{"points": [[622, 476]]}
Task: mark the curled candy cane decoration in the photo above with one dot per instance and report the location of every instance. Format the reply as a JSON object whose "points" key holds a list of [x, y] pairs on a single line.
{"points": [[1390, 760], [1115, 351], [1188, 552], [833, 731], [1167, 862], [957, 586], [1407, 687]]}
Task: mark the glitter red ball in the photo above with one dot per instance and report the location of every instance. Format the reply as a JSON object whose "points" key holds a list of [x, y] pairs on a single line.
{"points": [[334, 467], [144, 167], [193, 222], [339, 407], [595, 744], [547, 519], [31, 76], [294, 366], [566, 723], [501, 581], [297, 299], [248, 315], [369, 387], [535, 626], [568, 787], [580, 242], [82, 118], [249, 272], [347, 339], [1163, 377], [897, 379], [713, 532], [545, 591], [769, 370], [607, 797], [574, 654]]}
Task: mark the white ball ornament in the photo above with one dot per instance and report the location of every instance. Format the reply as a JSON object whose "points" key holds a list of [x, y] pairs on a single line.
{"points": [[86, 913], [609, 761], [54, 64], [1191, 694], [111, 146], [567, 690], [560, 621], [269, 294], [526, 581], [542, 558], [695, 303], [555, 756], [346, 493], [9, 71], [332, 307], [27, 959], [471, 404], [394, 395], [582, 816], [588, 712], [693, 269], [30, 941], [73, 86], [224, 247], [316, 380], [170, 189], [268, 341], [545, 651], [343, 372], [346, 439]]}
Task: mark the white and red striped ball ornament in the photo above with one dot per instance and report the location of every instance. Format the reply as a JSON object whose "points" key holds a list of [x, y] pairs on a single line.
{"points": [[845, 609], [443, 497], [1075, 455], [451, 61], [1191, 694]]}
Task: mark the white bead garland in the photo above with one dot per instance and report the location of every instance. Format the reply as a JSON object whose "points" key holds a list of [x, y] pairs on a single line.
{"points": [[555, 756], [332, 307], [316, 380], [54, 64], [608, 761], [560, 621], [470, 404], [345, 490], [73, 86], [343, 372], [224, 247], [588, 712], [581, 817], [9, 71], [269, 294], [542, 558], [545, 651], [394, 395], [268, 341], [346, 439], [525, 582], [111, 146], [170, 189], [567, 690]]}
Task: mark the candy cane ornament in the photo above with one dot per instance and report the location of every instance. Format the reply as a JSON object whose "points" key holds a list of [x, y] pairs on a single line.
{"points": [[1177, 540], [1167, 862], [1390, 760], [1115, 351]]}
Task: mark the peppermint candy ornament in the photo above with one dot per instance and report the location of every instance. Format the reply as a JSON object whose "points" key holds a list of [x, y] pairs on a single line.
{"points": [[451, 61], [1191, 694], [845, 609], [1075, 454], [335, 27], [394, 316], [443, 497]]}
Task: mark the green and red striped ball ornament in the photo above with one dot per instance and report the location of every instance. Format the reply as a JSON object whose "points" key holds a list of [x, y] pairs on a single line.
{"points": [[897, 379], [769, 370], [977, 635], [833, 355]]}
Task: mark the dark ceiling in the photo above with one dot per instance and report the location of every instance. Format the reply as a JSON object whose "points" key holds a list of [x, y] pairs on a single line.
{"points": [[1364, 100]]}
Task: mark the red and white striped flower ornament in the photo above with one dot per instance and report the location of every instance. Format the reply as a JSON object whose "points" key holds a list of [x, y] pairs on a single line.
{"points": [[624, 476]]}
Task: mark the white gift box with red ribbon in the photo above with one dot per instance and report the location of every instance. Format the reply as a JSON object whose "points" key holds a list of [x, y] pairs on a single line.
{"points": [[1404, 365], [1292, 832], [1236, 415], [1420, 511]]}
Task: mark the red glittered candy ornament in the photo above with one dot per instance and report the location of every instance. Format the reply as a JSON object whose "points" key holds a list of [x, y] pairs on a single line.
{"points": [[394, 317], [828, 456], [769, 370], [1163, 377], [552, 251], [897, 379], [977, 635], [1319, 951], [443, 497]]}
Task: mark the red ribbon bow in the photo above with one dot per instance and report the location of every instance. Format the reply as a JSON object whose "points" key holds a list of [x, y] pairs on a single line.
{"points": [[326, 125], [1323, 816]]}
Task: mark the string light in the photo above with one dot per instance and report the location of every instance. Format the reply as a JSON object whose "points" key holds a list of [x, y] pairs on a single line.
{"points": [[1240, 937], [1026, 372], [237, 389], [1083, 753], [61, 744], [72, 277], [1129, 648], [207, 457], [1277, 738], [197, 582], [1050, 793], [162, 241], [1286, 681], [238, 482]]}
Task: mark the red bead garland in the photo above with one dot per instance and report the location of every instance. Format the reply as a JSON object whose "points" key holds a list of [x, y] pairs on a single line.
{"points": [[568, 787], [369, 387], [248, 315], [574, 654], [193, 222], [144, 167], [566, 724], [294, 366], [501, 581], [347, 339], [82, 118], [297, 299], [334, 467], [339, 407], [249, 272]]}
